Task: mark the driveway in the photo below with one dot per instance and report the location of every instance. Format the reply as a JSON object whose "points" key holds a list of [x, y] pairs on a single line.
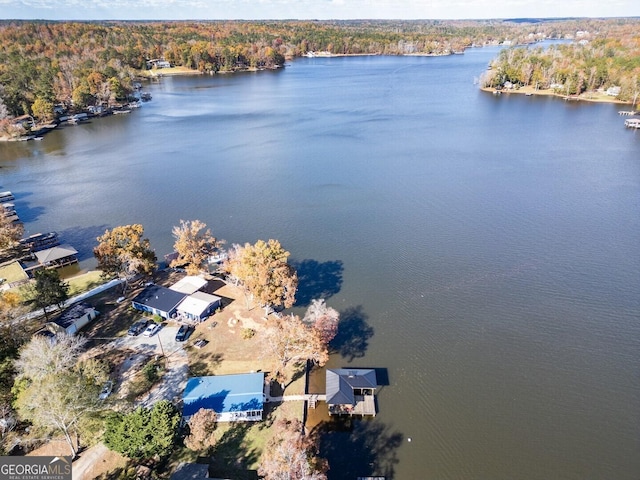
{"points": [[174, 379]]}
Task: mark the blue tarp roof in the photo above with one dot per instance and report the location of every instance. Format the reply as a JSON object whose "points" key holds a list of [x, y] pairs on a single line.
{"points": [[224, 393]]}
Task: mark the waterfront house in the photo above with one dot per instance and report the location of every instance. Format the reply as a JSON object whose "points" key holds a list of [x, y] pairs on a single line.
{"points": [[234, 398], [158, 63], [198, 306], [351, 391], [613, 91], [72, 319], [158, 300]]}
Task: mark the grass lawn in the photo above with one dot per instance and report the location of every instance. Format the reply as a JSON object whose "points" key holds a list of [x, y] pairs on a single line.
{"points": [[84, 282], [239, 445]]}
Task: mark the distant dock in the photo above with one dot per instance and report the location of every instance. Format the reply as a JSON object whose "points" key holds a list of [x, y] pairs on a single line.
{"points": [[632, 123]]}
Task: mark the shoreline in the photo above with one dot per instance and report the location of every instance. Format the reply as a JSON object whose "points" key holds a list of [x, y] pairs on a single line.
{"points": [[592, 97]]}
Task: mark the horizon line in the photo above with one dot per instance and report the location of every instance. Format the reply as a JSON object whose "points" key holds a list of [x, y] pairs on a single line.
{"points": [[504, 19]]}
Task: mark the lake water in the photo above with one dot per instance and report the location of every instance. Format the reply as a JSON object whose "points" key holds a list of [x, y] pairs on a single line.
{"points": [[484, 250]]}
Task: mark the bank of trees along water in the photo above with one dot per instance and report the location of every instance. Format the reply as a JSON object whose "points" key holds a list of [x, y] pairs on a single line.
{"points": [[80, 63], [592, 63]]}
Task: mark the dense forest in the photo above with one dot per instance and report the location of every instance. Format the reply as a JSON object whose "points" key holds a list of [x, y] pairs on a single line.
{"points": [[593, 62], [78, 64]]}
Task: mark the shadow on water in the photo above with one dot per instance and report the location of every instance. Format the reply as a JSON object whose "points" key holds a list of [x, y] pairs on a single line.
{"points": [[358, 448], [354, 333], [83, 239], [317, 280], [25, 212]]}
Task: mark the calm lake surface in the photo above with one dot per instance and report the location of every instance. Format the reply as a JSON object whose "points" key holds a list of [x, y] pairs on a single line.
{"points": [[484, 250]]}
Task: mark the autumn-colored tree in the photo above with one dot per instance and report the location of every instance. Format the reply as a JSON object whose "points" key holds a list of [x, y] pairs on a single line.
{"points": [[201, 427], [194, 245], [124, 252], [292, 343], [323, 319], [290, 455], [10, 232], [42, 109], [264, 272], [11, 307]]}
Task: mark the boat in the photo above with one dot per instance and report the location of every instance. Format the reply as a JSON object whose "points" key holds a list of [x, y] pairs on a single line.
{"points": [[40, 241], [120, 112], [6, 197]]}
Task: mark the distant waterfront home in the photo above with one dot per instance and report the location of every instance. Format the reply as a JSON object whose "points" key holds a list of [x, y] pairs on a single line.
{"points": [[158, 300], [235, 398], [72, 319], [351, 391], [158, 63], [198, 306]]}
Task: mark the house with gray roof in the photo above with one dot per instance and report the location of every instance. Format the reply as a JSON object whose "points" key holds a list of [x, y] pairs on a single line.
{"points": [[351, 391], [158, 300], [72, 319]]}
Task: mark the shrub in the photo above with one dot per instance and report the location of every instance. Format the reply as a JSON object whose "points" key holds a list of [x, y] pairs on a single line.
{"points": [[248, 333]]}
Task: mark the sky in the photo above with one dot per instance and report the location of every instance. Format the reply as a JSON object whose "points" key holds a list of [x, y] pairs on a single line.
{"points": [[311, 9]]}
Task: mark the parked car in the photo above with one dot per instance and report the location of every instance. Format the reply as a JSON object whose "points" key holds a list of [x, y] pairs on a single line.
{"points": [[183, 333], [106, 390], [151, 329], [138, 327]]}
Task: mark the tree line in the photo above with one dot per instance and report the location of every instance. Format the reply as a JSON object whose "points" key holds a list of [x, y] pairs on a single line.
{"points": [[592, 63], [44, 63]]}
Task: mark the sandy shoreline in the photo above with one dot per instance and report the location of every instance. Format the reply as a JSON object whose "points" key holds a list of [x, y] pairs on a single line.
{"points": [[594, 97]]}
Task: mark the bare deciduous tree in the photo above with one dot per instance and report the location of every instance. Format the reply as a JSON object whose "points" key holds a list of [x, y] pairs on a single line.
{"points": [[292, 343], [201, 427], [59, 401], [323, 319], [44, 356], [291, 456]]}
